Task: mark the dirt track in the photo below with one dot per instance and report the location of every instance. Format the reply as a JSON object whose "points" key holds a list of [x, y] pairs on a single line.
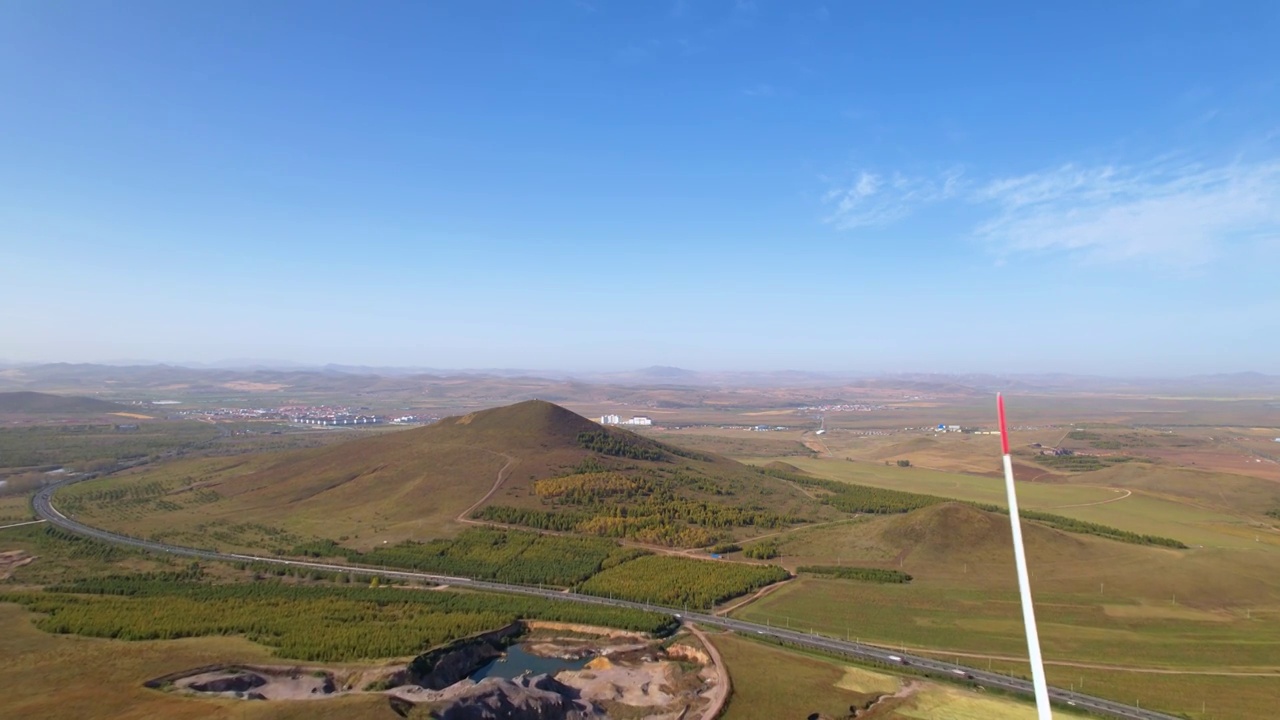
{"points": [[719, 695]]}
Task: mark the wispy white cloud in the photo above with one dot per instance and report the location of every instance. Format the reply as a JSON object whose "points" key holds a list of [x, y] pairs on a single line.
{"points": [[1180, 215], [874, 200], [760, 90], [1176, 214]]}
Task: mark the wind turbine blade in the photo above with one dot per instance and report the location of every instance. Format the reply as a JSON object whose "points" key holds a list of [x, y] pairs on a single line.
{"points": [[1024, 583]]}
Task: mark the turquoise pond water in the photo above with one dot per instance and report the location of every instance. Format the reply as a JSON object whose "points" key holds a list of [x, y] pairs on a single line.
{"points": [[517, 662]]}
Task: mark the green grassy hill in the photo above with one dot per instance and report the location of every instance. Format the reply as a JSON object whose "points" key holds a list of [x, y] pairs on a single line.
{"points": [[558, 471], [1217, 490], [942, 540], [35, 403]]}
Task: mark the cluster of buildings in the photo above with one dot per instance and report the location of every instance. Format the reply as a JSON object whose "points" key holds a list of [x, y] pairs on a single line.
{"points": [[340, 420], [616, 420], [300, 414], [843, 407]]}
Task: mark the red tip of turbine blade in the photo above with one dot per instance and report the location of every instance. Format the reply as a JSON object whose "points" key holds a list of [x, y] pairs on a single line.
{"points": [[1004, 428]]}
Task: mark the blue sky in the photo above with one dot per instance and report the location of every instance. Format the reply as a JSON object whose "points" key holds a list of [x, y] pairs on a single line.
{"points": [[914, 186]]}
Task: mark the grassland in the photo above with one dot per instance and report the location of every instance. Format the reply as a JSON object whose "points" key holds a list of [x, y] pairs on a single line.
{"points": [[1150, 624], [416, 484], [1112, 615], [95, 446], [774, 682], [36, 403], [58, 676], [14, 509], [62, 557], [1098, 602], [1139, 499], [771, 682]]}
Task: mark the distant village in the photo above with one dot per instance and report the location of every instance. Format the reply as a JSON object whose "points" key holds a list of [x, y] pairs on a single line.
{"points": [[322, 415], [842, 407], [617, 420]]}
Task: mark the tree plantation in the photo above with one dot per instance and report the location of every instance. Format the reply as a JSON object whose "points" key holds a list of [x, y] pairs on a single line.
{"points": [[324, 624], [681, 582]]}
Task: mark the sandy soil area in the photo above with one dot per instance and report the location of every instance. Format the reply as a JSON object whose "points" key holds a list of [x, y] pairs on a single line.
{"points": [[12, 560], [637, 686]]}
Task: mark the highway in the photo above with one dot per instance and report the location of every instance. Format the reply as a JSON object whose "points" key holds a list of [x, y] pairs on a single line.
{"points": [[42, 503]]}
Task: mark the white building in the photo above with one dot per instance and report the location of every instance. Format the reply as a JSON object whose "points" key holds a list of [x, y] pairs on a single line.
{"points": [[639, 420], [609, 420]]}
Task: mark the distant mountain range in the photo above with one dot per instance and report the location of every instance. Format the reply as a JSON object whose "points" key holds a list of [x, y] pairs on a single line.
{"points": [[511, 385], [36, 403]]}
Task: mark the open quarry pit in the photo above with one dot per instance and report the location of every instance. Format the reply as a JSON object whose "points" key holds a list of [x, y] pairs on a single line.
{"points": [[533, 670]]}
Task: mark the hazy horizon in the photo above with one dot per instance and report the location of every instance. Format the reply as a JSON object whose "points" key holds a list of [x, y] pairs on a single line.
{"points": [[256, 364], [743, 186]]}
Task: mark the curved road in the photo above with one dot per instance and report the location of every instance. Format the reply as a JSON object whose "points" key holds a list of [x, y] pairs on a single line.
{"points": [[42, 503]]}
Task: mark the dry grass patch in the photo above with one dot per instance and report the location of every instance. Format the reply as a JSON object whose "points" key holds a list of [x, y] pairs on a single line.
{"points": [[51, 676]]}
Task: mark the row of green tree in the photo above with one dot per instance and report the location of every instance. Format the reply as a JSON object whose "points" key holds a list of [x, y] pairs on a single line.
{"points": [[593, 488], [852, 498], [865, 574], [763, 550], [312, 623], [523, 558], [607, 443], [662, 519], [681, 582], [1082, 527]]}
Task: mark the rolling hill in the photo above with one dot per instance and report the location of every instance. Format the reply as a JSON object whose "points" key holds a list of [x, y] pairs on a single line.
{"points": [[955, 545], [533, 464], [36, 403]]}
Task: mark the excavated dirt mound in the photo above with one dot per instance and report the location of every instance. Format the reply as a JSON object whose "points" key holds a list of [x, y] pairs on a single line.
{"points": [[259, 683], [529, 698]]}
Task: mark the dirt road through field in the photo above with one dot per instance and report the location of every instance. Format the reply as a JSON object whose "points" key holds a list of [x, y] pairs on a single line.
{"points": [[719, 695]]}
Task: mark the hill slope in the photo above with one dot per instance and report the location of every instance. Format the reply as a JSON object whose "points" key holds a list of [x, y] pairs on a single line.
{"points": [[956, 545], [35, 403], [533, 464]]}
